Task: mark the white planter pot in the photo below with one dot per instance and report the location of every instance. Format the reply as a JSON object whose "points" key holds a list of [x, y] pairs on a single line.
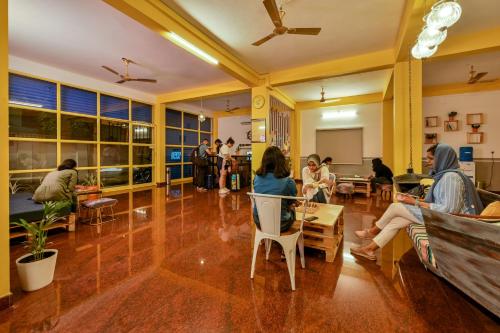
{"points": [[37, 274]]}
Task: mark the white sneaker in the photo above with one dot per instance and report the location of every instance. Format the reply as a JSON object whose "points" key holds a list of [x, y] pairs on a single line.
{"points": [[226, 190], [221, 191]]}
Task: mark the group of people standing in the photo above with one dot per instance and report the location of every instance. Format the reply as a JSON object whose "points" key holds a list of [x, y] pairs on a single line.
{"points": [[224, 163]]}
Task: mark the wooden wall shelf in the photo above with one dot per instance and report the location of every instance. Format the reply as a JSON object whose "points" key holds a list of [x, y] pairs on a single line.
{"points": [[451, 125], [474, 118], [431, 122], [475, 138]]}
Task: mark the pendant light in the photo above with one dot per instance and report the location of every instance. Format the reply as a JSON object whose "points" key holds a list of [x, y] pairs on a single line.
{"points": [[431, 36], [201, 116], [420, 51], [444, 14]]}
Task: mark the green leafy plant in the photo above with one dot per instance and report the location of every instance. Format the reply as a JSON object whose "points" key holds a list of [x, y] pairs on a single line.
{"points": [[37, 231], [90, 180]]}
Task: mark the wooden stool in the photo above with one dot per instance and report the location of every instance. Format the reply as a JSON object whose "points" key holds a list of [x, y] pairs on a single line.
{"points": [[385, 191], [98, 205]]}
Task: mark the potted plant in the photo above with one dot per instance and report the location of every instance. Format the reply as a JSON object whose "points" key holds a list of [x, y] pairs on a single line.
{"points": [[36, 269], [451, 115], [89, 184]]}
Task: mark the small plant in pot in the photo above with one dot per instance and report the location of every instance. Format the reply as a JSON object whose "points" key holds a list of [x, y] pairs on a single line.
{"points": [[452, 115], [89, 184], [36, 269]]}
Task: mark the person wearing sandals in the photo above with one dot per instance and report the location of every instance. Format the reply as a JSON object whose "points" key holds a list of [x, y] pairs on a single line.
{"points": [[451, 192]]}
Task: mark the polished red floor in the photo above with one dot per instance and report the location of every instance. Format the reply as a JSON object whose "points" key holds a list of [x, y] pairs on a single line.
{"points": [[181, 263]]}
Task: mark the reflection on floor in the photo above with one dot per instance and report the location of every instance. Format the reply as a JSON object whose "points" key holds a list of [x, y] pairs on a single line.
{"points": [[180, 261]]}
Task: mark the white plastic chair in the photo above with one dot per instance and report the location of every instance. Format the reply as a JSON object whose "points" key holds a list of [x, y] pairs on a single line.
{"points": [[269, 213]]}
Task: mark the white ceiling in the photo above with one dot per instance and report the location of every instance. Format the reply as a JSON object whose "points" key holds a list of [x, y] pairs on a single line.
{"points": [[456, 70], [219, 103], [348, 28], [80, 36], [342, 86]]}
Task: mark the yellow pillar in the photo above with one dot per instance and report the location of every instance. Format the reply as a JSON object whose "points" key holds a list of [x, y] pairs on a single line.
{"points": [[260, 110], [397, 131], [296, 140], [159, 142], [4, 155]]}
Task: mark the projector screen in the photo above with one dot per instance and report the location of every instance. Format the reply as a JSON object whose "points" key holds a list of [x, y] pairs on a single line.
{"points": [[343, 145]]}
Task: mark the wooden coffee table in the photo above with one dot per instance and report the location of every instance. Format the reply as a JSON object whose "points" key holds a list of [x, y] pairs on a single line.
{"points": [[361, 185], [326, 232]]}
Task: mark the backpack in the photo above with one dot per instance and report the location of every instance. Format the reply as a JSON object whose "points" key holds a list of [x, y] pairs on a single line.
{"points": [[194, 154]]}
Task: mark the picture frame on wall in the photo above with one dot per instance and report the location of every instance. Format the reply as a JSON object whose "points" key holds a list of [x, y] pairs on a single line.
{"points": [[259, 130], [431, 121], [451, 125]]}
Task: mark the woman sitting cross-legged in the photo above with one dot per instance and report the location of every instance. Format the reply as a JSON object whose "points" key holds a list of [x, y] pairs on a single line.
{"points": [[452, 192], [273, 178]]}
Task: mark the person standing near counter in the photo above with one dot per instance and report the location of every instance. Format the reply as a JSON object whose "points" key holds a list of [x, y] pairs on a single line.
{"points": [[202, 165], [224, 161]]}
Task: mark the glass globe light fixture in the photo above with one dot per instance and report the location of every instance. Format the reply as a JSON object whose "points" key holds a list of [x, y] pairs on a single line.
{"points": [[420, 51], [201, 117], [432, 36], [444, 14]]}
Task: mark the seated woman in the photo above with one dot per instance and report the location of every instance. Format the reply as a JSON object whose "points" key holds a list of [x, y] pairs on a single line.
{"points": [[382, 174], [316, 179], [273, 178], [58, 185], [451, 192]]}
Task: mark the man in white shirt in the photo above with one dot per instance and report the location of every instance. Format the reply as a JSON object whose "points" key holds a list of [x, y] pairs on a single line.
{"points": [[224, 163]]}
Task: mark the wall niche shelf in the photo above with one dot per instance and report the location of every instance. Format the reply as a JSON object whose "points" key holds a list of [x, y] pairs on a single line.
{"points": [[474, 118], [475, 138], [451, 125], [431, 122]]}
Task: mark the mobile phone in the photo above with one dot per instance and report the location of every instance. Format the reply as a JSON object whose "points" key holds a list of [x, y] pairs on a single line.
{"points": [[311, 218]]}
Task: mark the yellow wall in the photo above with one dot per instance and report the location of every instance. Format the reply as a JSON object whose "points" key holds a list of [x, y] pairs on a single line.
{"points": [[4, 151], [259, 148]]}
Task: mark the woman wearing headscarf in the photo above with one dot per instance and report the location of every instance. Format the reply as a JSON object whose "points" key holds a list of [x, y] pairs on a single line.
{"points": [[315, 180], [452, 192]]}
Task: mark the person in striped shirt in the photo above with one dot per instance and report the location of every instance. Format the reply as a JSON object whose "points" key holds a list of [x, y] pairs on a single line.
{"points": [[452, 192]]}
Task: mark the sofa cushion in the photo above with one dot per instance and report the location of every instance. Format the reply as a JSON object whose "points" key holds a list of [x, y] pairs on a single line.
{"points": [[418, 235], [21, 206], [99, 203]]}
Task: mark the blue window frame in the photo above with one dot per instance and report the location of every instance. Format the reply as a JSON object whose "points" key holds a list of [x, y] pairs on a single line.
{"points": [[142, 112], [32, 92], [78, 101], [114, 107]]}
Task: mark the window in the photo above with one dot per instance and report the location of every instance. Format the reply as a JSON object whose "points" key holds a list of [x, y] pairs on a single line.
{"points": [[142, 112], [188, 170], [206, 126], [190, 138], [114, 131], [32, 124], [175, 171], [173, 118], [78, 101], [142, 155], [32, 92], [78, 128], [143, 175], [27, 182], [114, 155], [84, 154], [173, 155], [142, 134], [114, 107], [187, 154], [190, 121], [28, 155], [173, 136], [114, 177]]}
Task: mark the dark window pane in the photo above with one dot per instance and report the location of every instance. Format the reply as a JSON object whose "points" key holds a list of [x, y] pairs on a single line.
{"points": [[25, 182], [32, 124], [142, 112], [114, 177], [87, 177], [114, 155], [175, 171], [78, 128], [142, 134], [142, 155], [173, 155], [114, 131], [187, 154], [32, 155], [190, 121], [114, 107], [78, 100], [190, 138], [206, 125], [84, 154], [173, 137], [206, 136], [143, 175], [32, 92], [173, 118], [188, 171]]}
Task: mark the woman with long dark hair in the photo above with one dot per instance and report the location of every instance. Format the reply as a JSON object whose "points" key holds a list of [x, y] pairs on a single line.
{"points": [[273, 177], [58, 185], [451, 192]]}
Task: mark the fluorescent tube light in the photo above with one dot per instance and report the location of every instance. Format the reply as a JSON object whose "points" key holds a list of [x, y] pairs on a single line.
{"points": [[339, 115], [178, 40], [26, 104]]}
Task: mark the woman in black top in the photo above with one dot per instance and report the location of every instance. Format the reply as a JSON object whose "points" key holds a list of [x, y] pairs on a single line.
{"points": [[383, 175]]}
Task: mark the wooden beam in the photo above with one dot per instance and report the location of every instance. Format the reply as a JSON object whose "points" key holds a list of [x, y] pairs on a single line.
{"points": [[337, 67], [477, 42], [388, 92], [359, 99], [283, 97], [235, 113], [459, 88], [213, 90], [157, 16]]}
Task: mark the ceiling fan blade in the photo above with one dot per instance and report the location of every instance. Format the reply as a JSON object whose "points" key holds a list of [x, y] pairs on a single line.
{"points": [[273, 12], [234, 109], [263, 40], [121, 81], [304, 31], [111, 70], [479, 76], [144, 80]]}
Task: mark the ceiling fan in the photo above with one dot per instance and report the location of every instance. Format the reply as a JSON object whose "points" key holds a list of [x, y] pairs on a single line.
{"points": [[230, 109], [474, 76], [322, 95], [126, 77], [279, 29]]}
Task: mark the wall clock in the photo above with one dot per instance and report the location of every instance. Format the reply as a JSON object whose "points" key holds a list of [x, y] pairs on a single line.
{"points": [[259, 101]]}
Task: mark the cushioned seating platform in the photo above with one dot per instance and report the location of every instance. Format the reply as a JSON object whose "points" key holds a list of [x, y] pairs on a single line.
{"points": [[420, 239], [99, 203], [21, 206]]}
